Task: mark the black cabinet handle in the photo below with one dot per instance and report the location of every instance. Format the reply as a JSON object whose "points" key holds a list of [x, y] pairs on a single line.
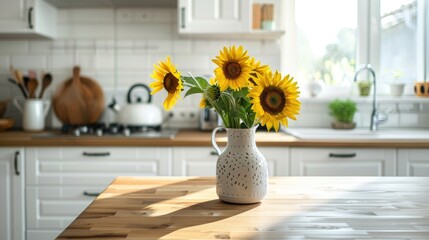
{"points": [[182, 17], [30, 17], [95, 154], [342, 155], [213, 153], [16, 163], [90, 194]]}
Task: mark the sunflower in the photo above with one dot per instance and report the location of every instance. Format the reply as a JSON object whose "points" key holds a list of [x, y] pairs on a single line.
{"points": [[274, 99], [233, 68], [256, 68], [212, 92], [167, 77]]}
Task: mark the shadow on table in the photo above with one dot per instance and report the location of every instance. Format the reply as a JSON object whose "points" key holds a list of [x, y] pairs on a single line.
{"points": [[154, 212]]}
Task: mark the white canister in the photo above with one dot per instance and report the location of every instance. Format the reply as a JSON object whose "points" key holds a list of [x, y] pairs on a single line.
{"points": [[33, 112]]}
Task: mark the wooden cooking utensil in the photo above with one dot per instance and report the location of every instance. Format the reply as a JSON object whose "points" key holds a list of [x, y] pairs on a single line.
{"points": [[79, 100], [17, 76], [31, 87], [46, 81]]}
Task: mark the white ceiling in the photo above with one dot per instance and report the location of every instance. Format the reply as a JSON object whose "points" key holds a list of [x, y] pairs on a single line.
{"points": [[113, 3]]}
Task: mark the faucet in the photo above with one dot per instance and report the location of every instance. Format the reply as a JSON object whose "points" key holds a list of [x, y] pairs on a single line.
{"points": [[376, 117]]}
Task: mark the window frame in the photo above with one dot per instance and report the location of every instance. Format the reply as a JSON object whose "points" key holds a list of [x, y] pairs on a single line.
{"points": [[368, 37]]}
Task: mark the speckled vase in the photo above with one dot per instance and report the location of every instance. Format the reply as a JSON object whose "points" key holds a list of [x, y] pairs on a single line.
{"points": [[241, 169]]}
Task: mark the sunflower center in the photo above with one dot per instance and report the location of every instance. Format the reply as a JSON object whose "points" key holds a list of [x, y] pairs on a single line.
{"points": [[170, 83], [272, 100], [232, 70]]}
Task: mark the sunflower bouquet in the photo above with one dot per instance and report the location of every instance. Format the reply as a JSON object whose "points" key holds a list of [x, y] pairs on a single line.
{"points": [[243, 91]]}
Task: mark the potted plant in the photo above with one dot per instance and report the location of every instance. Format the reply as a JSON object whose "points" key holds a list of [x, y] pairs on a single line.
{"points": [[343, 111], [364, 87], [396, 86]]}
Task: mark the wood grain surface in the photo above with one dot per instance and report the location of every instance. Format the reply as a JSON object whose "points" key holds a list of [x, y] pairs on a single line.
{"points": [[295, 208], [192, 138]]}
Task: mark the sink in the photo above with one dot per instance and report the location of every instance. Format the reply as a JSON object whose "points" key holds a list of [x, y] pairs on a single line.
{"points": [[359, 133]]}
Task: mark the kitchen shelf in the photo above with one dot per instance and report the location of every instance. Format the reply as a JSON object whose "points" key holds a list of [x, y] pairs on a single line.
{"points": [[251, 35]]}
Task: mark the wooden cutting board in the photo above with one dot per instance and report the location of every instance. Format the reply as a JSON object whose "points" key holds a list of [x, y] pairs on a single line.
{"points": [[78, 100]]}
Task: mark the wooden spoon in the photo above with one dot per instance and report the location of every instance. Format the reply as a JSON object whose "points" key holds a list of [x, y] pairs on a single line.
{"points": [[32, 86], [46, 81]]}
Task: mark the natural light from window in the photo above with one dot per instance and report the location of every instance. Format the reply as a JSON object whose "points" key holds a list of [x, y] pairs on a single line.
{"points": [[326, 40]]}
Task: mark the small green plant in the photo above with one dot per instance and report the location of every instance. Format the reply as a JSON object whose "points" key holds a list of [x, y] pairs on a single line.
{"points": [[343, 110]]}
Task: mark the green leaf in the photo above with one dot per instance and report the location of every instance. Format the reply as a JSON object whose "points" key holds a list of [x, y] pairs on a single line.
{"points": [[203, 82], [193, 90]]}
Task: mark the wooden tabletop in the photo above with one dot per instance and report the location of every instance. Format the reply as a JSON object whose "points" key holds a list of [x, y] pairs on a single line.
{"points": [[193, 138], [295, 208]]}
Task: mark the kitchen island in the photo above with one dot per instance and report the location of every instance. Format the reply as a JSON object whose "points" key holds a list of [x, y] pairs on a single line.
{"points": [[295, 208]]}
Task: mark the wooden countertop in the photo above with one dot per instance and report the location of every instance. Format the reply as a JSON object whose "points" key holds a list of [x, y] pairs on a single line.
{"points": [[192, 138], [295, 208]]}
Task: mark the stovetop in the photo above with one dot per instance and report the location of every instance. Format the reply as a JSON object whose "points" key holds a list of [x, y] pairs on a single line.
{"points": [[110, 130]]}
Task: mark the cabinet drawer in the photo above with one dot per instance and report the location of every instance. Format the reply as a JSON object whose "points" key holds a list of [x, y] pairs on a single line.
{"points": [[201, 161], [342, 162], [69, 166], [56, 207]]}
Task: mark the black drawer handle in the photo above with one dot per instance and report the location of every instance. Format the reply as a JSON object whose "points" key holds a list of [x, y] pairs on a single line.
{"points": [[30, 17], [183, 17], [342, 155], [95, 154], [90, 194], [213, 153], [16, 163]]}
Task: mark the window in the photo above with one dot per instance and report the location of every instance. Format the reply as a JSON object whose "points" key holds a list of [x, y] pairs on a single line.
{"points": [[326, 48], [398, 38], [331, 38]]}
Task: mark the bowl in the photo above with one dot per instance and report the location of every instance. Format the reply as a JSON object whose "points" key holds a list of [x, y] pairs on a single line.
{"points": [[3, 107], [6, 123]]}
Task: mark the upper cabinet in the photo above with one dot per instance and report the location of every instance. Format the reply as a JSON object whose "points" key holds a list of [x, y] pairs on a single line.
{"points": [[214, 16], [27, 19], [229, 17]]}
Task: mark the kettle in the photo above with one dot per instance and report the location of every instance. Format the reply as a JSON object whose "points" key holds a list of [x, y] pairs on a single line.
{"points": [[209, 119], [137, 113]]}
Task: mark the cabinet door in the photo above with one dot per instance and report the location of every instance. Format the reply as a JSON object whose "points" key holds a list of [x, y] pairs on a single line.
{"points": [[12, 194], [342, 162], [413, 162], [94, 165], [214, 16], [201, 161], [27, 18]]}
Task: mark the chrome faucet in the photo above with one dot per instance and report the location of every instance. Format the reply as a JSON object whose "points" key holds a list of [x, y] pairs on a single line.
{"points": [[376, 117]]}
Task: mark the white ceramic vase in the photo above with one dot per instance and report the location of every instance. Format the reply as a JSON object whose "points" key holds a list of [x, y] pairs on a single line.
{"points": [[33, 112], [241, 169]]}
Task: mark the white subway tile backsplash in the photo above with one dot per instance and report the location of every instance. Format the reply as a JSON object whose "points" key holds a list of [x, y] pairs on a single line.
{"points": [[104, 61], [87, 16], [61, 61], [132, 61], [4, 62], [185, 61], [15, 46], [40, 47], [85, 31], [143, 31], [29, 61], [182, 46], [210, 47], [408, 120]]}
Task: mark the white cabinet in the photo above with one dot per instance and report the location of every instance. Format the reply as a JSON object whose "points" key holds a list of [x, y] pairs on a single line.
{"points": [[413, 162], [342, 162], [62, 182], [201, 161], [12, 194], [27, 18], [214, 16]]}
